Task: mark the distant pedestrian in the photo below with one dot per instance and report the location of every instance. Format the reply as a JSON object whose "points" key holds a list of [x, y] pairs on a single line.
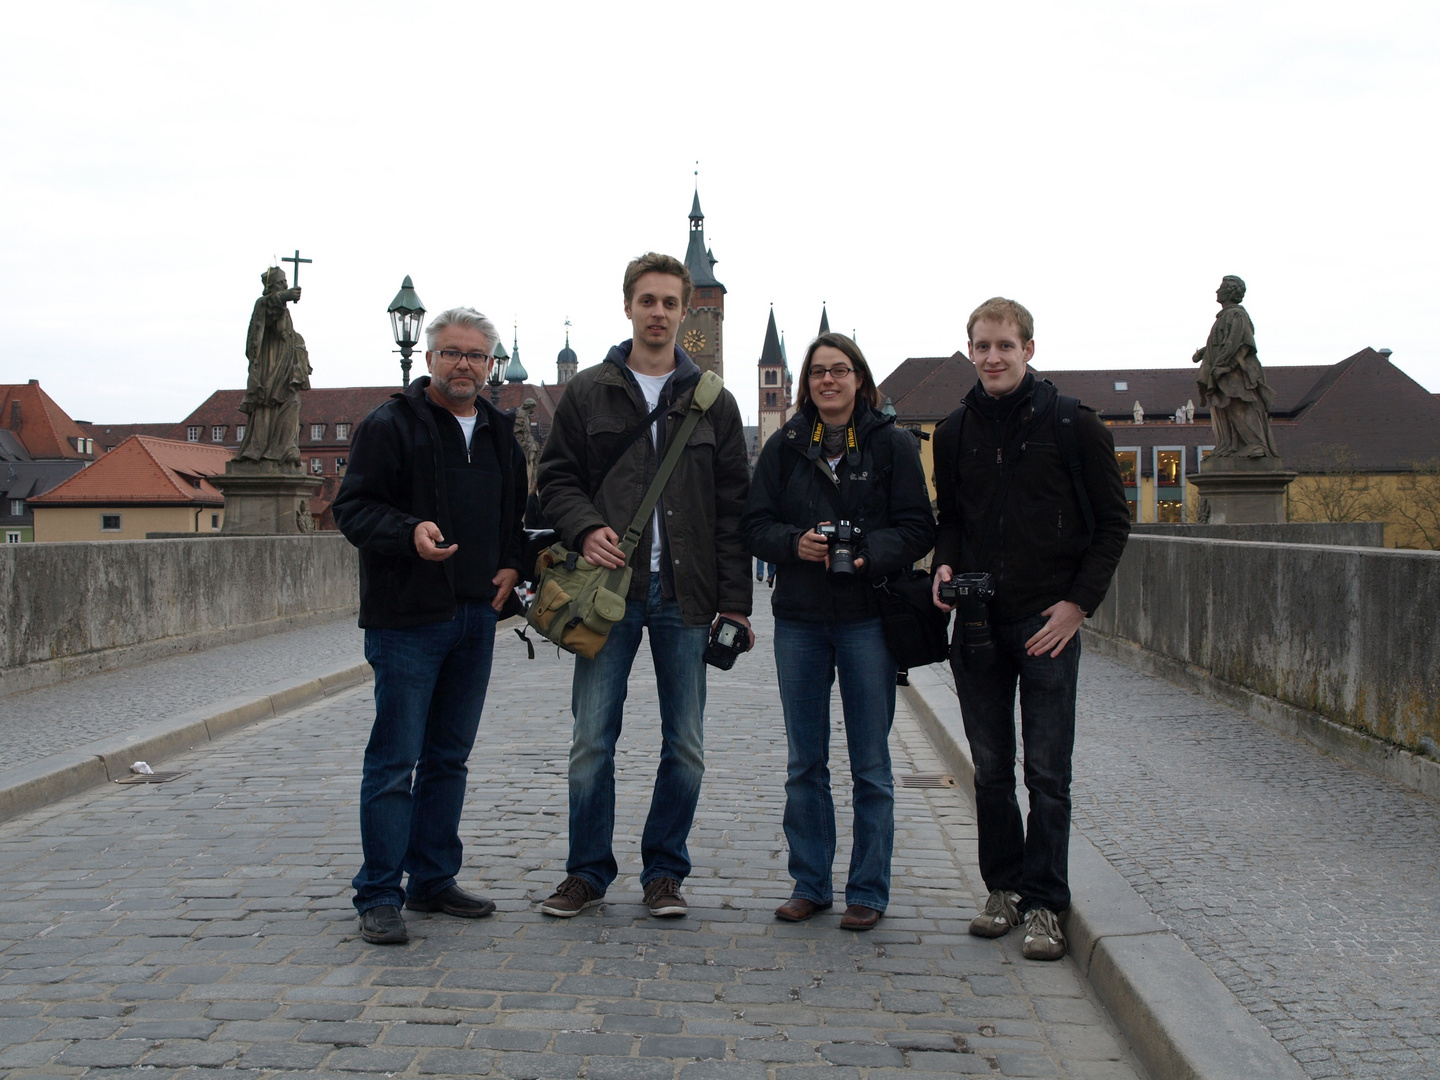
{"points": [[839, 462], [434, 498], [1029, 494], [765, 571], [689, 565]]}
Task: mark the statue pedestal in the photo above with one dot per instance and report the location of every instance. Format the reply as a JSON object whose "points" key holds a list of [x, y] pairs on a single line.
{"points": [[265, 499], [1241, 491]]}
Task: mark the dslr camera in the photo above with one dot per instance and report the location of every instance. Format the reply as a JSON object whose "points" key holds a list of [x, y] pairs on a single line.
{"points": [[970, 596], [844, 542], [727, 641]]}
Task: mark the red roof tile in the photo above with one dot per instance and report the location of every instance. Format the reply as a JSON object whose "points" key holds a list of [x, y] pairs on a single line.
{"points": [[146, 471], [39, 423]]}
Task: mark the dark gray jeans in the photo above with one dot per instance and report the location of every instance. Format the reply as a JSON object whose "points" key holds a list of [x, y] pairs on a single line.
{"points": [[1031, 859]]}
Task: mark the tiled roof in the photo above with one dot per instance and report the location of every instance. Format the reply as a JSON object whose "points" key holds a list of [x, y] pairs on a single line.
{"points": [[147, 471], [326, 405], [109, 436], [41, 425], [1382, 417], [28, 479]]}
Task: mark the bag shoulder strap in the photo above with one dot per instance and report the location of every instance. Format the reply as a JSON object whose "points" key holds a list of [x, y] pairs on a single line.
{"points": [[1067, 433], [630, 437], [706, 393]]}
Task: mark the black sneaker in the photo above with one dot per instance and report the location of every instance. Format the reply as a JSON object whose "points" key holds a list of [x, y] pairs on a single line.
{"points": [[383, 925], [662, 897], [454, 901], [573, 896]]}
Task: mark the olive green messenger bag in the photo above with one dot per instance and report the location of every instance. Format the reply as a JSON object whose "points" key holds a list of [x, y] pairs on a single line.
{"points": [[576, 602]]}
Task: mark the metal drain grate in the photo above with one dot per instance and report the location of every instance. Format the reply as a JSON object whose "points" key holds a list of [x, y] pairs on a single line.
{"points": [[923, 780], [150, 778]]}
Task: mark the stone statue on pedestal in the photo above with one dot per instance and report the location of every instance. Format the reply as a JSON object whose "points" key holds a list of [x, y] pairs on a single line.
{"points": [[266, 491], [1232, 381], [526, 438], [279, 370]]}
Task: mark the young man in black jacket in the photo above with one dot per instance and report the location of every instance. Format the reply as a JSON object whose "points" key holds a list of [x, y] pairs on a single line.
{"points": [[1011, 505], [434, 498], [604, 449]]}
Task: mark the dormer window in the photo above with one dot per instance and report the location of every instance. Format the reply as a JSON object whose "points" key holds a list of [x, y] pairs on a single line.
{"points": [[1122, 385]]}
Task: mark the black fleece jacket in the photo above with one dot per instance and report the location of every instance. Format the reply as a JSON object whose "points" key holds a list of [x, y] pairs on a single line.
{"points": [[1039, 555], [878, 485], [397, 477]]}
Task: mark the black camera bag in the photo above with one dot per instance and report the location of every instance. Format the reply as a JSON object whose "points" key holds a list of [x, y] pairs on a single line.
{"points": [[916, 631]]}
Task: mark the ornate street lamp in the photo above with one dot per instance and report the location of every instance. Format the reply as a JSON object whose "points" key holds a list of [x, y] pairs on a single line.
{"points": [[497, 372], [407, 314]]}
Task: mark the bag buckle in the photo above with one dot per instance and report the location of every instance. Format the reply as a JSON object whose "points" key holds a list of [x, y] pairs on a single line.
{"points": [[570, 558]]}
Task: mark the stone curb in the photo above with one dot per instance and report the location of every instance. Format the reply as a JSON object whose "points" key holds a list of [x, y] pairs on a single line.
{"points": [[39, 783], [1180, 1019], [1350, 745]]}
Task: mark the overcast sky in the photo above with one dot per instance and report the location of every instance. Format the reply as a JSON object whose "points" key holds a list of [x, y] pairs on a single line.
{"points": [[1104, 163]]}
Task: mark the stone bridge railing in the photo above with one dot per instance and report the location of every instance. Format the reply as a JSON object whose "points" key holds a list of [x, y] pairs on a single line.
{"points": [[1351, 634], [70, 609]]}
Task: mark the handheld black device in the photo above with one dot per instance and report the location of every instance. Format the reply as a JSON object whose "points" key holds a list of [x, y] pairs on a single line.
{"points": [[727, 641], [844, 542]]}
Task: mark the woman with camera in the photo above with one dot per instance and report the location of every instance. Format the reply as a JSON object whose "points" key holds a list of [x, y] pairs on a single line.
{"points": [[838, 501]]}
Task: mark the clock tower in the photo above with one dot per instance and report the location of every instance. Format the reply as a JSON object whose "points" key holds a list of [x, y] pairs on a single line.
{"points": [[700, 331]]}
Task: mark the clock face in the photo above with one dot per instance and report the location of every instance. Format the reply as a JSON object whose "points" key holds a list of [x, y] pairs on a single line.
{"points": [[694, 341]]}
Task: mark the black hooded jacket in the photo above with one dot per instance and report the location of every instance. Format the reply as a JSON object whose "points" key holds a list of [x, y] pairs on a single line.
{"points": [[395, 479], [1039, 553], [878, 485]]}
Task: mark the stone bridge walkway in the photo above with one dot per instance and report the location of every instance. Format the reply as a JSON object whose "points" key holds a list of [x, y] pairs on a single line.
{"points": [[205, 924]]}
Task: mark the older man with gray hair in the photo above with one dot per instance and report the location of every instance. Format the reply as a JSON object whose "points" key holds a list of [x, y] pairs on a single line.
{"points": [[434, 498]]}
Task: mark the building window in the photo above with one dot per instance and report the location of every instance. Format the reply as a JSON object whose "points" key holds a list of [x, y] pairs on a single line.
{"points": [[1122, 386], [340, 463], [1169, 484], [317, 432], [239, 432], [770, 399], [217, 433], [192, 433], [17, 507], [770, 378], [342, 432], [109, 522], [315, 466], [1128, 458], [12, 536], [214, 521]]}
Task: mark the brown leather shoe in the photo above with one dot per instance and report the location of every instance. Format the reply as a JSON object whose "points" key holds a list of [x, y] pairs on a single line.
{"points": [[798, 909], [859, 917]]}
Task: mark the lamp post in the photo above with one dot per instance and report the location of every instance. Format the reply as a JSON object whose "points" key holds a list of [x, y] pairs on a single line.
{"points": [[407, 314], [497, 371]]}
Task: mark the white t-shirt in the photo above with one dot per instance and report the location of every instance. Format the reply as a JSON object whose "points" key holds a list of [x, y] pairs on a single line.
{"points": [[652, 386], [467, 425]]}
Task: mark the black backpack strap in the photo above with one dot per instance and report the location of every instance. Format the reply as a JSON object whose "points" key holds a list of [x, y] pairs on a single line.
{"points": [[1067, 433]]}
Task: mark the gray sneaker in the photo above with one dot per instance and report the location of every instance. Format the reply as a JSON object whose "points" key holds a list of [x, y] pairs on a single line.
{"points": [[662, 897], [573, 896], [1044, 940], [1000, 915]]}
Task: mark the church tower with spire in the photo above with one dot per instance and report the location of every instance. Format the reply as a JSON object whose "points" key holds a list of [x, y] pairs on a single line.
{"points": [[775, 386], [566, 362], [700, 331]]}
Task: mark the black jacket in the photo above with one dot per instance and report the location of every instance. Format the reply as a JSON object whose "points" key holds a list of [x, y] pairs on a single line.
{"points": [[394, 481], [704, 549], [879, 485], [1040, 555]]}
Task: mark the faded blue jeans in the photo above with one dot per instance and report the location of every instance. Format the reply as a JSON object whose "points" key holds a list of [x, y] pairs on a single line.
{"points": [[430, 684], [807, 657], [1030, 858], [598, 704]]}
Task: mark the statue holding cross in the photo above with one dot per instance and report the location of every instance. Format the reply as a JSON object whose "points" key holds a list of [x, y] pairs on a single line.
{"points": [[279, 370], [297, 260]]}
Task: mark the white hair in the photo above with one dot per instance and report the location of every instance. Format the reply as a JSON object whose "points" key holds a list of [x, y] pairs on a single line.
{"points": [[461, 316]]}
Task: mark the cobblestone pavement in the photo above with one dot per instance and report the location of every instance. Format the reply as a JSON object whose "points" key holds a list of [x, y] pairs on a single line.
{"points": [[206, 923], [52, 719], [1310, 888]]}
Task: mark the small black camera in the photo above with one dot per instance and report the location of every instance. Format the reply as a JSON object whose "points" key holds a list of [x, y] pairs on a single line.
{"points": [[844, 542], [970, 596], [727, 641]]}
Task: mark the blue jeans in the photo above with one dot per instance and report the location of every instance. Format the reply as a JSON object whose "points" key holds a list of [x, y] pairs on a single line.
{"points": [[1032, 860], [598, 704], [430, 684], [807, 657]]}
